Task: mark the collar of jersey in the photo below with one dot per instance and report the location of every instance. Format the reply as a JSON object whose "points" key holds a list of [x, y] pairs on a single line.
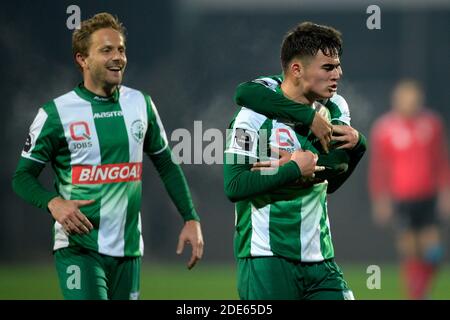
{"points": [[92, 97]]}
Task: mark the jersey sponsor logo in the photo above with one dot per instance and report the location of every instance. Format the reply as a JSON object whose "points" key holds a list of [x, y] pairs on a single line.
{"points": [[284, 137], [29, 142], [80, 134], [107, 173], [79, 131], [138, 130], [108, 114]]}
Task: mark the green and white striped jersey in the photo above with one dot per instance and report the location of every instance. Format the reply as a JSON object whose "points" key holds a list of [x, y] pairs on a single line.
{"points": [[95, 145], [292, 222]]}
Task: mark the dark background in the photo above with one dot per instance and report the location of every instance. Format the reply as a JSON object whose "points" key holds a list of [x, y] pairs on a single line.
{"points": [[189, 56]]}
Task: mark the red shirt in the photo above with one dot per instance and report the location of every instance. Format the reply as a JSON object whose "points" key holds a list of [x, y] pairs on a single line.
{"points": [[408, 158]]}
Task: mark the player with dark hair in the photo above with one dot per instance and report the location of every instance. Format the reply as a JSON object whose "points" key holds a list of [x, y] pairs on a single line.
{"points": [[282, 239]]}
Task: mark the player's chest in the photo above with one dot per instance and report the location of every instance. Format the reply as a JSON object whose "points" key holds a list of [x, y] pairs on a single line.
{"points": [[284, 137], [404, 136], [103, 133]]}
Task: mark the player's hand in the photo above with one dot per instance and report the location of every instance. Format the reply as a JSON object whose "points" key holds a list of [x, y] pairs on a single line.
{"points": [[282, 155], [322, 129], [346, 135], [68, 214], [191, 234], [307, 162]]}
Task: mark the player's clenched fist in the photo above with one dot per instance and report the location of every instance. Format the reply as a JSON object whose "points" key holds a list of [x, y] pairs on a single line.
{"points": [[307, 162]]}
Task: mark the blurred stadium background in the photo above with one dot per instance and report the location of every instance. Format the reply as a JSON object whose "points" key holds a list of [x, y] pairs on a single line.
{"points": [[190, 55]]}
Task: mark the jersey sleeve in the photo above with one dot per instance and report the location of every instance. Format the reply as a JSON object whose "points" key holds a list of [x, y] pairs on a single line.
{"points": [[155, 138], [354, 156], [261, 96], [243, 136], [244, 140], [25, 183], [175, 184], [440, 156], [40, 147], [42, 140], [379, 168]]}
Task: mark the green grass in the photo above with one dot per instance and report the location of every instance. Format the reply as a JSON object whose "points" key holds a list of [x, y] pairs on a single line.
{"points": [[204, 282]]}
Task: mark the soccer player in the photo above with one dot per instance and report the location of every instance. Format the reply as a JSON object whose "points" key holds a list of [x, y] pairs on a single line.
{"points": [[409, 180], [94, 137], [282, 238], [264, 95]]}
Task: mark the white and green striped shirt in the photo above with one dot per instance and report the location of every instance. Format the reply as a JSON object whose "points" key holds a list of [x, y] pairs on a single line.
{"points": [[95, 146], [292, 223]]}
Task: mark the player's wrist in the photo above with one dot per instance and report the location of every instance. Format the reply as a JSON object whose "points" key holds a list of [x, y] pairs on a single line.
{"points": [[52, 202]]}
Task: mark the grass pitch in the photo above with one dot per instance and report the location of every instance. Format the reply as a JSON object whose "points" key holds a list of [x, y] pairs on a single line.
{"points": [[204, 282]]}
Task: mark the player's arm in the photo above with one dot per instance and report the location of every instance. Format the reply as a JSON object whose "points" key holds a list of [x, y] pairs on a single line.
{"points": [[442, 166], [241, 183], [345, 138], [245, 138], [39, 149], [26, 184], [156, 146], [380, 171], [330, 165], [41, 145], [175, 183], [260, 95], [354, 155]]}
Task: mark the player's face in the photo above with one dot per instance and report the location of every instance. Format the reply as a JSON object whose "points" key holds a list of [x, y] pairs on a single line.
{"points": [[106, 61], [321, 75], [407, 99]]}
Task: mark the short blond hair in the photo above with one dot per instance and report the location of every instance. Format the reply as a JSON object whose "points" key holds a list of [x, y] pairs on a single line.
{"points": [[81, 37]]}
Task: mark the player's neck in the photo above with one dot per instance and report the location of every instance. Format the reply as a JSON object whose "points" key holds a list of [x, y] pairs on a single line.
{"points": [[295, 92], [102, 91]]}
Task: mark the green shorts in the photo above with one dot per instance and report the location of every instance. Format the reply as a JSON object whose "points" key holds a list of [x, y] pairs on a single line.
{"points": [[276, 278], [85, 274]]}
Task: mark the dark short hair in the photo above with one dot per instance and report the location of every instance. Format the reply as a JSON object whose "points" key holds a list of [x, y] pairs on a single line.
{"points": [[306, 39], [81, 38]]}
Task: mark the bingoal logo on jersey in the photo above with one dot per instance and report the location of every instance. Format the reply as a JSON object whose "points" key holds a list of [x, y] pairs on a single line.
{"points": [[107, 173]]}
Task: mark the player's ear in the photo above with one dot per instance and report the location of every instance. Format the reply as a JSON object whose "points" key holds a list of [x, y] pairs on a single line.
{"points": [[296, 68], [81, 60]]}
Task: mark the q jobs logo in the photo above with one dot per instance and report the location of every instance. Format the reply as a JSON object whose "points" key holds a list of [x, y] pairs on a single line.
{"points": [[80, 134]]}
